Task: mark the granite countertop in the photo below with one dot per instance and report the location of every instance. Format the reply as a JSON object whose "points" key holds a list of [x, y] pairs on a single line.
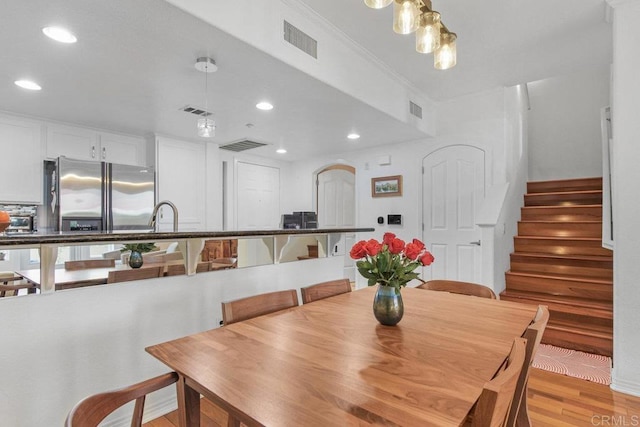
{"points": [[96, 237]]}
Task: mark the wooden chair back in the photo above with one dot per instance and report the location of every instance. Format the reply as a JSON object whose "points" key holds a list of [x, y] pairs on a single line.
{"points": [[89, 263], [11, 284], [135, 274], [325, 290], [179, 269], [257, 305], [90, 411], [456, 287], [519, 414], [492, 408]]}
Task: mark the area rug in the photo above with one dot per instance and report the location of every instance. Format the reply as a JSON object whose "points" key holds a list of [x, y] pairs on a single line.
{"points": [[586, 366]]}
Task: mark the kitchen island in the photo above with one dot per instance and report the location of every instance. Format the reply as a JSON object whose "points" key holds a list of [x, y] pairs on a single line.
{"points": [[274, 244]]}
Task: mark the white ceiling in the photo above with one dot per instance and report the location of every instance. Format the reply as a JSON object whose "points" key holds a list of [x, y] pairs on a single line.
{"points": [[132, 68]]}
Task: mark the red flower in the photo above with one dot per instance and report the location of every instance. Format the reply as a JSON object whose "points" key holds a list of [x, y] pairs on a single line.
{"points": [[372, 247], [412, 251], [388, 238], [358, 251], [419, 243], [427, 258], [396, 246]]}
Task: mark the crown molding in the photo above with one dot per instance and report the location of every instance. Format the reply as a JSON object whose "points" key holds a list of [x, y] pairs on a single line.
{"points": [[617, 3]]}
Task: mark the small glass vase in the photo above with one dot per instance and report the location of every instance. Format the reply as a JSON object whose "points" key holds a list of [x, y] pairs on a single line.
{"points": [[135, 259], [387, 305]]}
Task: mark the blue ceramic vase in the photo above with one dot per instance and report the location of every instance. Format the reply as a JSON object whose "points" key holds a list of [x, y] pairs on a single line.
{"points": [[135, 259], [387, 305]]}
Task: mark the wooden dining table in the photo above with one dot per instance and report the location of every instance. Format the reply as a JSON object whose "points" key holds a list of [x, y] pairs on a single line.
{"points": [[69, 279], [330, 363]]}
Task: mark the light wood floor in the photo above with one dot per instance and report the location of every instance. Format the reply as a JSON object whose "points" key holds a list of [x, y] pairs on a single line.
{"points": [[554, 400]]}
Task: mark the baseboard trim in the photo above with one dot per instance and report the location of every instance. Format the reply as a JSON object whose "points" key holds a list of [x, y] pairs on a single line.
{"points": [[623, 386], [151, 412]]}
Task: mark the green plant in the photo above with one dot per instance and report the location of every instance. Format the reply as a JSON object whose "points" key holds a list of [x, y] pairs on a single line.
{"points": [[139, 247], [392, 262]]}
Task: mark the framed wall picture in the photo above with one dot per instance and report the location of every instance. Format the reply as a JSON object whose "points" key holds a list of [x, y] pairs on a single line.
{"points": [[386, 186]]}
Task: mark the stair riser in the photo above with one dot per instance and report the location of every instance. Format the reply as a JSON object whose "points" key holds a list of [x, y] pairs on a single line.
{"points": [[553, 247], [558, 317], [560, 229], [569, 199], [561, 213], [569, 288], [596, 345], [562, 270], [580, 184], [578, 316]]}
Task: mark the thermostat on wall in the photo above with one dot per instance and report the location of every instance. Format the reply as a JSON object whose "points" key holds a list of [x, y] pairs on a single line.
{"points": [[394, 219]]}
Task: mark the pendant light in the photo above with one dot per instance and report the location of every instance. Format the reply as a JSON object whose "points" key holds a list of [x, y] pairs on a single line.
{"points": [[206, 125], [428, 32], [377, 4], [445, 56], [405, 16]]}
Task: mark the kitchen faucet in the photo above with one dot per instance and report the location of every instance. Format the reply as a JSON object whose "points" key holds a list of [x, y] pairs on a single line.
{"points": [[154, 214]]}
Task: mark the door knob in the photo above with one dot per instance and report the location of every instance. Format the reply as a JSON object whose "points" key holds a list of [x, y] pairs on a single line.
{"points": [[477, 243]]}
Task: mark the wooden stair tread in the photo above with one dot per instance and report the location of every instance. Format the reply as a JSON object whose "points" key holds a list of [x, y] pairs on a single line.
{"points": [[565, 278], [562, 239], [570, 183], [564, 193], [555, 207], [560, 300]]}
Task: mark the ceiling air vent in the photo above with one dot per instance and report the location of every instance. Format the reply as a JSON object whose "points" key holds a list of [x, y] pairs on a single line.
{"points": [[243, 145], [415, 109], [196, 110], [299, 39]]}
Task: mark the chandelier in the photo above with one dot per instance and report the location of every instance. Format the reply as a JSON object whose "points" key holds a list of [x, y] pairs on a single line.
{"points": [[431, 34]]}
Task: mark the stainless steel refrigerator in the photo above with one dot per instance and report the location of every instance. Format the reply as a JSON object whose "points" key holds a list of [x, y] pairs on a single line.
{"points": [[97, 196]]}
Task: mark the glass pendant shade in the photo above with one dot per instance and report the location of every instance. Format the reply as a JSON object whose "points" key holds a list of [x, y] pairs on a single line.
{"points": [[405, 16], [445, 56], [428, 32], [377, 4], [206, 127]]}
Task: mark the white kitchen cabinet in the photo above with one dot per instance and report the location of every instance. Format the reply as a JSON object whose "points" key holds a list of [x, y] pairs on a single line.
{"points": [[181, 179], [87, 144], [22, 155]]}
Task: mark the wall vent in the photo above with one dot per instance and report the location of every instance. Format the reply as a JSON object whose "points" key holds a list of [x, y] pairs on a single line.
{"points": [[415, 109], [301, 40], [242, 145], [196, 110]]}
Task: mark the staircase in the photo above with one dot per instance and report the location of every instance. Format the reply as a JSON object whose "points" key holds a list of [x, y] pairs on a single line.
{"points": [[559, 261]]}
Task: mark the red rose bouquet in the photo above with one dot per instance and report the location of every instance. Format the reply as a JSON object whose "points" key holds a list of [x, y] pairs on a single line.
{"points": [[392, 262]]}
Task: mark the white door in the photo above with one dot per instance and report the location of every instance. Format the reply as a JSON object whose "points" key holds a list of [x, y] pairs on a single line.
{"points": [[258, 197], [453, 191], [336, 197]]}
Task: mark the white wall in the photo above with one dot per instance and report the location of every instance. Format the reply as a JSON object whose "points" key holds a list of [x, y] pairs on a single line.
{"points": [[626, 203], [564, 125], [58, 348]]}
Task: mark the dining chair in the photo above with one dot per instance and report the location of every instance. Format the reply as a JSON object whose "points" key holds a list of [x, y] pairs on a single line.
{"points": [[519, 414], [494, 403], [89, 263], [325, 290], [457, 287], [257, 305], [11, 284], [179, 269], [90, 411], [135, 274]]}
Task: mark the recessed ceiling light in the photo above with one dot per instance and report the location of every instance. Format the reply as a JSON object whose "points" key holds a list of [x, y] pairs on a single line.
{"points": [[264, 105], [281, 151], [27, 84], [59, 34], [353, 136]]}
